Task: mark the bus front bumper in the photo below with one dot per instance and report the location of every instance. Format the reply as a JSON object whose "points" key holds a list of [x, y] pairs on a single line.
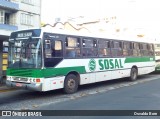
{"points": [[29, 86]]}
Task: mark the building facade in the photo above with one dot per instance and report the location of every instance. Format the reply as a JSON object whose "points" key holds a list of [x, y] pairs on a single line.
{"points": [[88, 24], [16, 15]]}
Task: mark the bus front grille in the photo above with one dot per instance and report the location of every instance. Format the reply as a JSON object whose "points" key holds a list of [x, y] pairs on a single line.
{"points": [[20, 72]]}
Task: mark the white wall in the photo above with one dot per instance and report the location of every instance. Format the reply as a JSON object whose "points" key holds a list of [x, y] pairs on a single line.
{"points": [[33, 9]]}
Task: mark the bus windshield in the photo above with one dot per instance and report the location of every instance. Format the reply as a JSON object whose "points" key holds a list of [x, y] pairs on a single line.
{"points": [[25, 53]]}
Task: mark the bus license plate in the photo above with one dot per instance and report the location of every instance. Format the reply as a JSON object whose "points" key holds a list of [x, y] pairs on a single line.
{"points": [[18, 84]]}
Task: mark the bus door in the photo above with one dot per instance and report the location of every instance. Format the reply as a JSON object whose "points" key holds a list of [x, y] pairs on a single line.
{"points": [[53, 52]]}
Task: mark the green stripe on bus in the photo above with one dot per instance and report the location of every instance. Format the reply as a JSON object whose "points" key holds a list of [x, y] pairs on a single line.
{"points": [[139, 59], [42, 73], [62, 71]]}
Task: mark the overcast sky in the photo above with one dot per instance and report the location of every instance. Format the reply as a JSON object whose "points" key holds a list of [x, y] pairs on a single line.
{"points": [[140, 13]]}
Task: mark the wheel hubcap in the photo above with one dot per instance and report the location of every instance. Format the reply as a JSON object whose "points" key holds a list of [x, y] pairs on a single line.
{"points": [[71, 83]]}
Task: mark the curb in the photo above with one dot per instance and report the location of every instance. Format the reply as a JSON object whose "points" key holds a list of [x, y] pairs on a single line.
{"points": [[4, 88]]}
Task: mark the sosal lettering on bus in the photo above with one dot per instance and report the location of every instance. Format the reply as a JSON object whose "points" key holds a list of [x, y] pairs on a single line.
{"points": [[110, 64]]}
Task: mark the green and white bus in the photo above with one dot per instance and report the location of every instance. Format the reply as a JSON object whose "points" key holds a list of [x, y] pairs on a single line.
{"points": [[157, 54], [43, 59]]}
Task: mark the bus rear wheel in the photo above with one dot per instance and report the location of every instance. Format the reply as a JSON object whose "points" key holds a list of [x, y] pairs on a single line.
{"points": [[70, 84], [133, 74]]}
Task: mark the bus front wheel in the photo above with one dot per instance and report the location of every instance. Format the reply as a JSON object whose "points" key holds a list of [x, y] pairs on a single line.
{"points": [[70, 84], [133, 74]]}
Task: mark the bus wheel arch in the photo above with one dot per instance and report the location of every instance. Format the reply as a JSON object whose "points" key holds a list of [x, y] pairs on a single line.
{"points": [[71, 82], [133, 73]]}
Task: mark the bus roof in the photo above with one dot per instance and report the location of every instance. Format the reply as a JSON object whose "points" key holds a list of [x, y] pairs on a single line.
{"points": [[49, 29], [96, 35]]}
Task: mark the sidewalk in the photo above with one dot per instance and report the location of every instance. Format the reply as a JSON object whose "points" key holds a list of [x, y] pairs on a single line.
{"points": [[3, 84], [4, 88]]}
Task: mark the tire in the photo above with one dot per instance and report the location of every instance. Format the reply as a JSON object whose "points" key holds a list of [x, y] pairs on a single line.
{"points": [[70, 84], [133, 74]]}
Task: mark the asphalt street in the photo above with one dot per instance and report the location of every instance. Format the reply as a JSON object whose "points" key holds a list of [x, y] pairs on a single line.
{"points": [[141, 95]]}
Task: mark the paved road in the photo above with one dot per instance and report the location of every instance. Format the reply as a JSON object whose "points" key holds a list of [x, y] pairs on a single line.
{"points": [[24, 99], [144, 94]]}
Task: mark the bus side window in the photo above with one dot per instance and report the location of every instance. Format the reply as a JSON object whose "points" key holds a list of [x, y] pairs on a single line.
{"points": [[150, 50], [125, 49], [136, 49], [57, 49], [72, 47], [144, 49], [90, 47], [117, 48], [103, 48]]}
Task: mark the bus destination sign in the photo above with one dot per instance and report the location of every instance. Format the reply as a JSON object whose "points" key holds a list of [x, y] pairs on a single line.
{"points": [[24, 34]]}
